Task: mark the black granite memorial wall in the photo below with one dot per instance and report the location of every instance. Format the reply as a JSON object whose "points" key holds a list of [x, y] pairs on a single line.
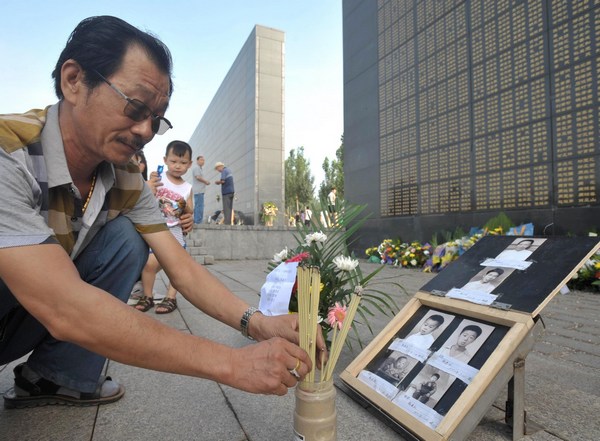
{"points": [[457, 110]]}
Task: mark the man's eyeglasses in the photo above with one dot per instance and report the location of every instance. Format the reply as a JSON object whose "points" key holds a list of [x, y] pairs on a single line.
{"points": [[138, 111]]}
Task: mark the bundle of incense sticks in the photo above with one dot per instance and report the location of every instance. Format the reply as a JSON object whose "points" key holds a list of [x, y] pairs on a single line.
{"points": [[339, 339], [309, 283]]}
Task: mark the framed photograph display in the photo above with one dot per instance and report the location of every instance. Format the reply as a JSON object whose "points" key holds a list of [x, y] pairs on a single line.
{"points": [[439, 364]]}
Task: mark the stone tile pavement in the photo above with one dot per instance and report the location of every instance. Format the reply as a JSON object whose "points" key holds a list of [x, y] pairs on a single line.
{"points": [[562, 384]]}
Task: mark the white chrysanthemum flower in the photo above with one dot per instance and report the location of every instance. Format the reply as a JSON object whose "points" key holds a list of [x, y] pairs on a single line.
{"points": [[589, 264], [280, 256], [345, 263], [315, 237], [413, 262]]}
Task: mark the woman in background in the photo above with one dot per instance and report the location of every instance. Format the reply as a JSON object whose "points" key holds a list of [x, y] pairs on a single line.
{"points": [[140, 160]]}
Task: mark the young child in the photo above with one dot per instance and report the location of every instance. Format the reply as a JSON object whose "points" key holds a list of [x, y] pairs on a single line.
{"points": [[423, 338], [174, 198], [426, 389], [397, 368]]}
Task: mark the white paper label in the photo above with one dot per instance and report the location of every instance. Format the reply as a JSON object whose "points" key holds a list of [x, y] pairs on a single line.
{"points": [[275, 293], [479, 297]]}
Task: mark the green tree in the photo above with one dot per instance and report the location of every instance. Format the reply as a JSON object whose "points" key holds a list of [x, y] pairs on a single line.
{"points": [[334, 173], [299, 183]]}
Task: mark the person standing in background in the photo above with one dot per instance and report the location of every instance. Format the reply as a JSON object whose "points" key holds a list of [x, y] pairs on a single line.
{"points": [[174, 199], [140, 159], [227, 192], [198, 187], [331, 207], [307, 216]]}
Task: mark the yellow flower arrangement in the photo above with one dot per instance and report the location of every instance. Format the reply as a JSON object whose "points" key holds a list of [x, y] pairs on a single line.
{"points": [[269, 209], [269, 213]]}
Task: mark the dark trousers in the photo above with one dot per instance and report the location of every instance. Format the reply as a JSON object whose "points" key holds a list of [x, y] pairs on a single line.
{"points": [[228, 208], [198, 208], [113, 262]]}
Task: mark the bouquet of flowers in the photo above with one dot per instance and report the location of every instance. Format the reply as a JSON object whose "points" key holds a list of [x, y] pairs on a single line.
{"points": [[373, 255], [398, 253], [588, 275], [444, 254], [269, 212], [269, 209], [414, 254], [340, 273], [388, 250]]}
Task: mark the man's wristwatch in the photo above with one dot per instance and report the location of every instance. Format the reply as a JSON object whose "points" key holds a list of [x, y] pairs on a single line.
{"points": [[246, 320]]}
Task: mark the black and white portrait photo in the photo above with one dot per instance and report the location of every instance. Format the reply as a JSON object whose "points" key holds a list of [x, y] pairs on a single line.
{"points": [[487, 279], [520, 249], [466, 340], [429, 327]]}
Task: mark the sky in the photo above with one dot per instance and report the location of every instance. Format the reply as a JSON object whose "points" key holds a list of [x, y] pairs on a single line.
{"points": [[204, 37]]}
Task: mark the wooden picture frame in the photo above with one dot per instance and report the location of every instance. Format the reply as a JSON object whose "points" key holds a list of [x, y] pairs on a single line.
{"points": [[438, 385]]}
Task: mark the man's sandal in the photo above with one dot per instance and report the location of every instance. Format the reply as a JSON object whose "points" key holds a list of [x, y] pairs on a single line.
{"points": [[168, 305], [144, 304], [44, 392]]}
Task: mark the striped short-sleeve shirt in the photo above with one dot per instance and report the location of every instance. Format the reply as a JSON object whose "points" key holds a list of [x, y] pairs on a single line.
{"points": [[39, 202]]}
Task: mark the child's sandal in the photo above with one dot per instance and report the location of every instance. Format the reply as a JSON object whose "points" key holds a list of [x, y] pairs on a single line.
{"points": [[168, 305], [144, 304]]}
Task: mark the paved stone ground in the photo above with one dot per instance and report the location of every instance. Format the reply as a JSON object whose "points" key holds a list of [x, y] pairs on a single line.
{"points": [[562, 384]]}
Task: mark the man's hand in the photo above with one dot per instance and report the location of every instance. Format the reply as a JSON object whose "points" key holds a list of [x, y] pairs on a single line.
{"points": [[187, 222], [265, 367], [154, 182], [285, 326]]}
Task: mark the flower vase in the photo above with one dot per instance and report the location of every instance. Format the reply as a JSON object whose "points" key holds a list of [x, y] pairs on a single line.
{"points": [[315, 416], [269, 221]]}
